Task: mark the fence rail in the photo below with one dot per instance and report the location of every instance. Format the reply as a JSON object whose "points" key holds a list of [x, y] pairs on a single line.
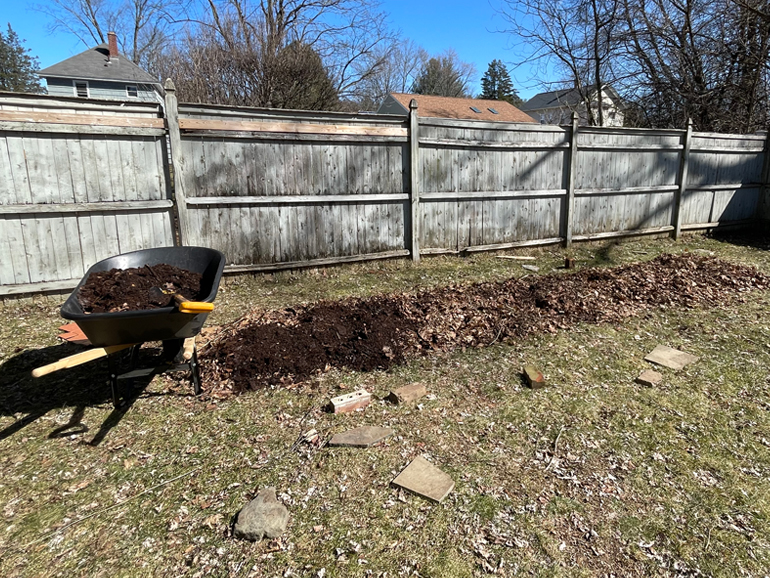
{"points": [[83, 180]]}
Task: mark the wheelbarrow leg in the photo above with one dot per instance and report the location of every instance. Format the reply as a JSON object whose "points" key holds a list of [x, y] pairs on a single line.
{"points": [[113, 368], [195, 370], [113, 364]]}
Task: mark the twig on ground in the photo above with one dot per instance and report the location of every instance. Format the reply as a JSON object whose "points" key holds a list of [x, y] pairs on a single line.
{"points": [[84, 518], [498, 336], [555, 447]]}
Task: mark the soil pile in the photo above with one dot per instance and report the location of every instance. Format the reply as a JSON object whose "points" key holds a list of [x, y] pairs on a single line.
{"points": [[289, 346], [130, 289]]}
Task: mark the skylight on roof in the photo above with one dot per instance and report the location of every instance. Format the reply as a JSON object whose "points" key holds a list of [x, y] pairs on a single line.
{"points": [[493, 111], [474, 109]]}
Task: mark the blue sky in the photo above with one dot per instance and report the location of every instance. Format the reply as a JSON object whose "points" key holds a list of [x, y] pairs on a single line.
{"points": [[436, 25]]}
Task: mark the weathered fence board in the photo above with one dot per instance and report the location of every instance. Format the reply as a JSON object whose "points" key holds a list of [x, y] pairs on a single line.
{"points": [[70, 198], [83, 180], [264, 201]]}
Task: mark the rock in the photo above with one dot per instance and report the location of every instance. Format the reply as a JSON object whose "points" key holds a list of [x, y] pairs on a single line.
{"points": [[534, 378], [408, 393], [350, 401], [670, 357], [361, 437], [264, 517], [425, 479], [649, 378], [533, 268]]}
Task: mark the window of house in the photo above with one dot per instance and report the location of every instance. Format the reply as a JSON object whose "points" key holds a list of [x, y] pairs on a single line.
{"points": [[132, 91], [493, 111], [476, 110], [81, 88]]}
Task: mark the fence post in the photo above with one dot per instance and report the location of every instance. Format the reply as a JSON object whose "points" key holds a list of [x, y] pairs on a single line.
{"points": [[681, 183], [177, 161], [570, 205], [763, 206], [414, 186]]}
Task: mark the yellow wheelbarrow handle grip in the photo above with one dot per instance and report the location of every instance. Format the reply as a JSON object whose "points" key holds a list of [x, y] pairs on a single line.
{"points": [[195, 307]]}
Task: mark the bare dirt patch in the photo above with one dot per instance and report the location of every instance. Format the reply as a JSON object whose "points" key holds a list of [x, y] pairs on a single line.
{"points": [[292, 345]]}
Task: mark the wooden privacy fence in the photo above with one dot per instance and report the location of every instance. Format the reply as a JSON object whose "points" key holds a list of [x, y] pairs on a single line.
{"points": [[82, 180]]}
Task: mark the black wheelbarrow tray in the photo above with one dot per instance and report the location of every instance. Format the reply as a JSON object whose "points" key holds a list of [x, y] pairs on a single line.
{"points": [[125, 327]]}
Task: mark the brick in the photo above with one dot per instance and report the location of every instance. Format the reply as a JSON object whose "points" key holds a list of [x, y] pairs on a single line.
{"points": [[649, 378], [670, 357], [534, 378], [350, 401], [361, 437], [424, 479], [408, 393]]}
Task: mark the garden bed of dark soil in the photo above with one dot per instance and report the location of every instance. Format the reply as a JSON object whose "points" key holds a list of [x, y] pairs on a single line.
{"points": [[289, 346], [131, 289]]}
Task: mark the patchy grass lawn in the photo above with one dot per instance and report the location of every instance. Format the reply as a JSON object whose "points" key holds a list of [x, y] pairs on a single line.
{"points": [[595, 475]]}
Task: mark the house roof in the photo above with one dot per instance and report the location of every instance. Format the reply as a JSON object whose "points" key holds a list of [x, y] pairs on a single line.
{"points": [[94, 64], [567, 97], [448, 107]]}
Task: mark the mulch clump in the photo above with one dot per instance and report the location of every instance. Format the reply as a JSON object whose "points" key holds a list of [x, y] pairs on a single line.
{"points": [[131, 289], [290, 346]]}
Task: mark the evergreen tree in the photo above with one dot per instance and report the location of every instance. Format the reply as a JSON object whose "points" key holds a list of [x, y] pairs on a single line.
{"points": [[496, 84], [17, 68]]}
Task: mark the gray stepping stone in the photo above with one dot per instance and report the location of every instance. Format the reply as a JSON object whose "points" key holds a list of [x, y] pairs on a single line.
{"points": [[424, 479], [670, 357], [361, 437]]}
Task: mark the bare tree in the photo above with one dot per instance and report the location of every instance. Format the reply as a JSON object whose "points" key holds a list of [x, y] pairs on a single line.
{"points": [[699, 59], [142, 26], [575, 36], [394, 69], [671, 59]]}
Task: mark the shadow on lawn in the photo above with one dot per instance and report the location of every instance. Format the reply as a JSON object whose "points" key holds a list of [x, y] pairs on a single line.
{"points": [[757, 238], [78, 387]]}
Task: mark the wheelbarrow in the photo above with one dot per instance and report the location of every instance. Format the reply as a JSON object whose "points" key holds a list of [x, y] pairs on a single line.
{"points": [[113, 333]]}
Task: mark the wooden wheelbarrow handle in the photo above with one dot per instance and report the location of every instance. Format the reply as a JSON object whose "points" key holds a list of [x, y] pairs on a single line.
{"points": [[79, 358]]}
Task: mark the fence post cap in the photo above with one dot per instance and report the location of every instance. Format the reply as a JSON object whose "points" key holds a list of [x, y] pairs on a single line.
{"points": [[413, 104], [169, 85]]}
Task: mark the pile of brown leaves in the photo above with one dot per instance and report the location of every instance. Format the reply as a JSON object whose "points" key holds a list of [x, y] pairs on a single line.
{"points": [[289, 346]]}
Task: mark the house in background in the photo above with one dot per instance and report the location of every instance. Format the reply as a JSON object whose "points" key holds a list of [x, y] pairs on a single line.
{"points": [[448, 107], [556, 107], [101, 72]]}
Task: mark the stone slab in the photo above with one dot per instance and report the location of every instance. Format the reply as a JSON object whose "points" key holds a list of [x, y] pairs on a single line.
{"points": [[361, 437], [424, 479], [533, 268], [408, 393], [534, 377], [670, 357], [350, 401], [649, 378]]}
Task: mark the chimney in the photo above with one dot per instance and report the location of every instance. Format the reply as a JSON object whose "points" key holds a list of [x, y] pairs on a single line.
{"points": [[113, 42]]}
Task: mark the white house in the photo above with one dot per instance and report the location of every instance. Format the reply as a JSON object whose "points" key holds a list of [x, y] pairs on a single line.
{"points": [[556, 107]]}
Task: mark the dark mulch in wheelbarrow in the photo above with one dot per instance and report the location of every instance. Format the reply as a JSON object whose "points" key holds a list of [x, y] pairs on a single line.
{"points": [[130, 289], [289, 346]]}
